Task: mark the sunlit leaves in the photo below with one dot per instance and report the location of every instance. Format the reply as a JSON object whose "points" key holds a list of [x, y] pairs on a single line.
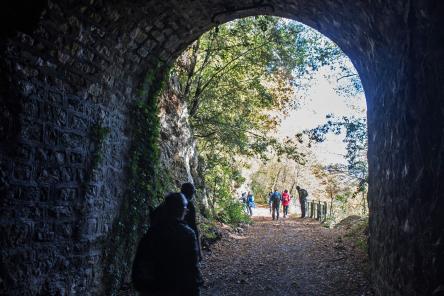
{"points": [[235, 74]]}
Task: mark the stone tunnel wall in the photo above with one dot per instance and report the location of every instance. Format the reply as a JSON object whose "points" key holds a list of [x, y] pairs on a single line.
{"points": [[67, 88], [406, 128], [58, 204]]}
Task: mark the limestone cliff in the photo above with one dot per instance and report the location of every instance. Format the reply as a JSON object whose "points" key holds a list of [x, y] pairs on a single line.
{"points": [[177, 146]]}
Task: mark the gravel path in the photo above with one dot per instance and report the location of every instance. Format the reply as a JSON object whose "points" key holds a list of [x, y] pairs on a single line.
{"points": [[291, 256]]}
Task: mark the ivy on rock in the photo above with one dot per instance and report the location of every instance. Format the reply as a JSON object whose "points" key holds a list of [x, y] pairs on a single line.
{"points": [[147, 182]]}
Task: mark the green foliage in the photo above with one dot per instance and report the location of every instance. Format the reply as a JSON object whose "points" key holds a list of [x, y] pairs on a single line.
{"points": [[231, 211], [260, 191], [358, 233], [343, 200], [221, 179], [236, 74]]}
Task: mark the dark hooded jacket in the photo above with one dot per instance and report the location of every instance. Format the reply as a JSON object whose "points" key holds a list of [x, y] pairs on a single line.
{"points": [[167, 260]]}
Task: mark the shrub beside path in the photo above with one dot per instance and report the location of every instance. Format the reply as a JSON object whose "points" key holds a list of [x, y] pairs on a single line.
{"points": [[291, 256]]}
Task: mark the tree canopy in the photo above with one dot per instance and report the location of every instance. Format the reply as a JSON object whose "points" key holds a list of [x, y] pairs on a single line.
{"points": [[235, 76]]}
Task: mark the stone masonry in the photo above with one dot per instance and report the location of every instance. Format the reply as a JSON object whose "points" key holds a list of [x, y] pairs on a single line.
{"points": [[71, 69]]}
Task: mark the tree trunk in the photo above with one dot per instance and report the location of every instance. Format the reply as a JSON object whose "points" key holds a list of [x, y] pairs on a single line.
{"points": [[292, 187], [276, 179]]}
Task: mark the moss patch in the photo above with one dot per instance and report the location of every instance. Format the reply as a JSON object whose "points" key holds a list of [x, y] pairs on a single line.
{"points": [[358, 234], [98, 136]]}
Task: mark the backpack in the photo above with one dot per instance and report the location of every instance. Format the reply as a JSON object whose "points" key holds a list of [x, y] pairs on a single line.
{"points": [[304, 193], [250, 198], [250, 201], [275, 197], [285, 197]]}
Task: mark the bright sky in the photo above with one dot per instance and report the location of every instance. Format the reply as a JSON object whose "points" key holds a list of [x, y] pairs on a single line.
{"points": [[321, 100]]}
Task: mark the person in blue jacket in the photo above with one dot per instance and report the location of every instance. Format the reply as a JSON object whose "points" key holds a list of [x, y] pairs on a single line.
{"points": [[250, 203], [275, 202]]}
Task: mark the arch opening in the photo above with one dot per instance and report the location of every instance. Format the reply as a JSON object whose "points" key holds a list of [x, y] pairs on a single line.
{"points": [[260, 189]]}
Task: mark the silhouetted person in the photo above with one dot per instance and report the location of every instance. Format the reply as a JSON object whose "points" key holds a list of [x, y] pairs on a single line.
{"points": [[243, 200], [188, 190], [275, 203], [166, 261], [157, 214], [286, 198], [269, 199], [302, 199]]}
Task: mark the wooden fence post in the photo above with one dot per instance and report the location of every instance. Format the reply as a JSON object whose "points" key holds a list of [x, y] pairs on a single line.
{"points": [[316, 210], [325, 210]]}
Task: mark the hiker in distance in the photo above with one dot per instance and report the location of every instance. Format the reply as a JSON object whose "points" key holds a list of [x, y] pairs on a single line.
{"points": [[166, 261], [250, 203], [275, 203], [269, 199], [286, 198], [243, 200], [302, 200]]}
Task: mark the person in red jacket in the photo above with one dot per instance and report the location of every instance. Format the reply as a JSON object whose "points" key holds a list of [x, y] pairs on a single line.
{"points": [[286, 198]]}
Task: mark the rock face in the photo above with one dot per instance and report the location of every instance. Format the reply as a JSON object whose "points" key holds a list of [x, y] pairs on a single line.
{"points": [[178, 153], [71, 70], [177, 146]]}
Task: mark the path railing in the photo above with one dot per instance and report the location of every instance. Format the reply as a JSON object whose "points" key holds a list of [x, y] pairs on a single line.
{"points": [[316, 210]]}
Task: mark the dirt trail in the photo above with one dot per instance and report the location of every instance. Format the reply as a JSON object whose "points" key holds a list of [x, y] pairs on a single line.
{"points": [[291, 256]]}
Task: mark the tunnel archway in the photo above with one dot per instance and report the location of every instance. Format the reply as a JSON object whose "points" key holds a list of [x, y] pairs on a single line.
{"points": [[84, 63]]}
